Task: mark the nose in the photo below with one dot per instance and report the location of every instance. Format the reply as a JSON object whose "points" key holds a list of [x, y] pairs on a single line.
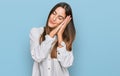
{"points": [[54, 18]]}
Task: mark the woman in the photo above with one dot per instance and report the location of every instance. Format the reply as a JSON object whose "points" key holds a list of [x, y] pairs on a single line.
{"points": [[51, 46]]}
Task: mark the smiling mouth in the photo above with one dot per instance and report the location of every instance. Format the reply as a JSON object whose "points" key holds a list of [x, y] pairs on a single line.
{"points": [[52, 22]]}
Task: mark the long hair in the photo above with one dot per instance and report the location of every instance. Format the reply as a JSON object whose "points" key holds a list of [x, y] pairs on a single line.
{"points": [[69, 32]]}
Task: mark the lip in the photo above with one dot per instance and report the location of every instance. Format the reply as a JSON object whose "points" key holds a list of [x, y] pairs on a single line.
{"points": [[52, 22]]}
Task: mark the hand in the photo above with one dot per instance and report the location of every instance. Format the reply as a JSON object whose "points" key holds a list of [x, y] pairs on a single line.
{"points": [[55, 30], [60, 32], [64, 24]]}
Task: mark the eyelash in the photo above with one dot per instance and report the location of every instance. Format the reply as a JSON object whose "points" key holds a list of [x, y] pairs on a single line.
{"points": [[55, 14], [60, 18]]}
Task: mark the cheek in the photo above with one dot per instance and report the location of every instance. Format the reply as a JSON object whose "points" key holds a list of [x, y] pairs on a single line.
{"points": [[50, 17]]}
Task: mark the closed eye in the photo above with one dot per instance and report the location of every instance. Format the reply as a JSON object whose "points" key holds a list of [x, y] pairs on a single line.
{"points": [[54, 13], [60, 18]]}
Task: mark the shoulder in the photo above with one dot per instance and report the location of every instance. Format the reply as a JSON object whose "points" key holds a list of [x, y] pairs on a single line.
{"points": [[35, 32]]}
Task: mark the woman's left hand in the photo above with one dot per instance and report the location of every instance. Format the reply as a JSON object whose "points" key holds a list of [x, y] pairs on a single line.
{"points": [[65, 23], [61, 30]]}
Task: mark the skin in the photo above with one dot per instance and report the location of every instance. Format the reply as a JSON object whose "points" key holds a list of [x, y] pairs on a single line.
{"points": [[58, 20]]}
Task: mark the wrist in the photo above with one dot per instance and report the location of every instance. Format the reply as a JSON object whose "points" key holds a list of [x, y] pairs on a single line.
{"points": [[51, 35], [59, 35], [59, 45], [60, 39]]}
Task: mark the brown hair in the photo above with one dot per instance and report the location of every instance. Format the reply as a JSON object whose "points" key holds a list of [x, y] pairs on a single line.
{"points": [[68, 34]]}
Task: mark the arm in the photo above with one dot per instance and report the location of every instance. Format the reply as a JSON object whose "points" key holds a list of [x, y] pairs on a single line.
{"points": [[40, 51], [64, 56]]}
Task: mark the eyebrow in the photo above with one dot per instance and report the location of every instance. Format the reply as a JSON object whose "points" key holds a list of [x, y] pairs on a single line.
{"points": [[60, 15]]}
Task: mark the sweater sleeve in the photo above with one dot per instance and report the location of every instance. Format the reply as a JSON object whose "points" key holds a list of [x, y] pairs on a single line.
{"points": [[64, 56], [40, 51]]}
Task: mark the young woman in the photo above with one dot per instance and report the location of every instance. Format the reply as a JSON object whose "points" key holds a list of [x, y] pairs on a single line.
{"points": [[51, 46]]}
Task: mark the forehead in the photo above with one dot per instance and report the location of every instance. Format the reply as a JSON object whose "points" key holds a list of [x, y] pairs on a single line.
{"points": [[60, 11]]}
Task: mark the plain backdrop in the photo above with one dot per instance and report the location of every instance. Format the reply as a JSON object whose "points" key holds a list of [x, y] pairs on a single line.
{"points": [[96, 47]]}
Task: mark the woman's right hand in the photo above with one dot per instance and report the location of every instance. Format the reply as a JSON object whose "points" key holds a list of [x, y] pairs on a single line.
{"points": [[55, 30], [60, 28]]}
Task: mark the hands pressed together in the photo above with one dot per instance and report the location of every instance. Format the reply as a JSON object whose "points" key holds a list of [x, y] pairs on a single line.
{"points": [[60, 29]]}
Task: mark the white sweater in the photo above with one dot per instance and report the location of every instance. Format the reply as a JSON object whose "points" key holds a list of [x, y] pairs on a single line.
{"points": [[44, 65]]}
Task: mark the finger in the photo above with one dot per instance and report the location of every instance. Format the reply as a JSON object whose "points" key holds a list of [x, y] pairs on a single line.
{"points": [[59, 27], [67, 20]]}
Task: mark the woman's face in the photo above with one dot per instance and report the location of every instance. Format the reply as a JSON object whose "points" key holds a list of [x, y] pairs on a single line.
{"points": [[56, 17]]}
